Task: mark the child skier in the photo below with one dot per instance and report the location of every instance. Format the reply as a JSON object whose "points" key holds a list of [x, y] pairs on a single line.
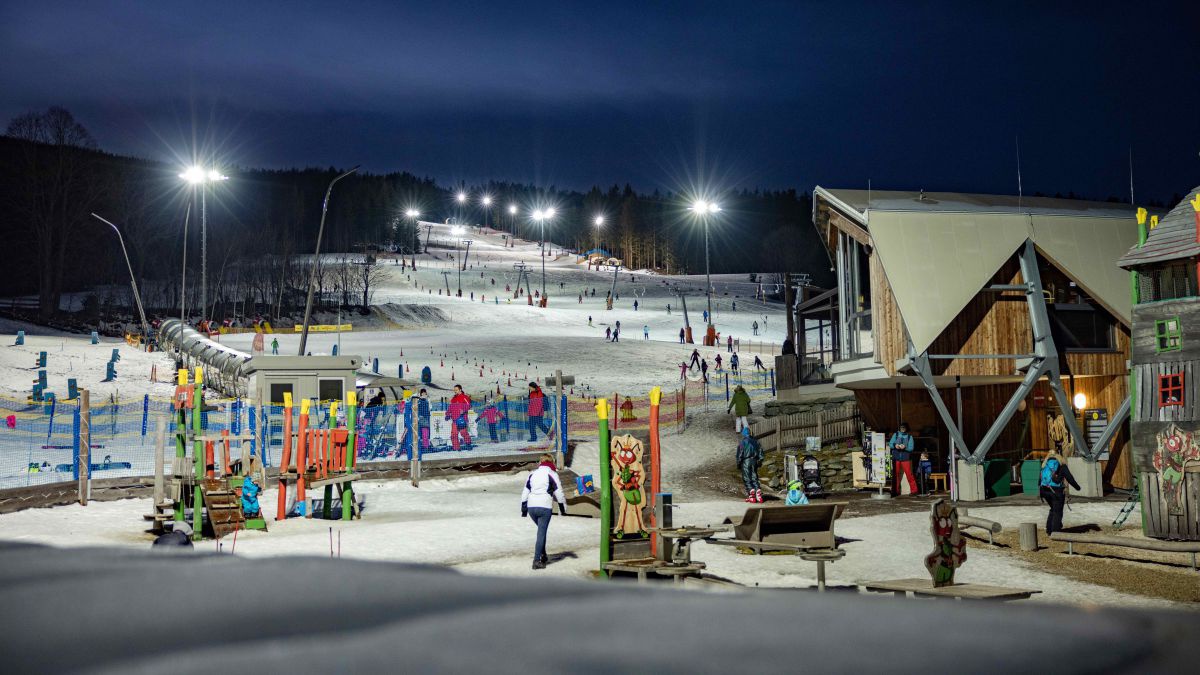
{"points": [[492, 416], [542, 489], [758, 364], [733, 363], [749, 457], [924, 468]]}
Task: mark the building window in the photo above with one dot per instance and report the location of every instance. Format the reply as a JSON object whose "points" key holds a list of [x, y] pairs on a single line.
{"points": [[1168, 335], [330, 390], [1082, 327], [1170, 390]]}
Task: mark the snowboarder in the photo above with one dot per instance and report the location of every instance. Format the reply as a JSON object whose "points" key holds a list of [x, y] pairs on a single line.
{"points": [[739, 405], [754, 328], [733, 363], [492, 416], [542, 489], [535, 409], [758, 364], [275, 346], [1052, 491], [645, 331], [457, 413], [902, 446], [749, 457]]}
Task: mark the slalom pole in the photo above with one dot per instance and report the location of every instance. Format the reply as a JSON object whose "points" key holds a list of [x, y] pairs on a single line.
{"points": [[655, 466], [605, 486]]}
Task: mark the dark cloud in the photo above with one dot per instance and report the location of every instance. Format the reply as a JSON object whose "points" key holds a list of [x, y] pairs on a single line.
{"points": [[664, 95]]}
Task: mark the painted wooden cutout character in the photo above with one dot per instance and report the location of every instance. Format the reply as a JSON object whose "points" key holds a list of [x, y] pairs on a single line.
{"points": [[1176, 449], [949, 548], [628, 479]]}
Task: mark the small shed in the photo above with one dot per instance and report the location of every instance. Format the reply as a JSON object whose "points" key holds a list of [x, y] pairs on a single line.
{"points": [[325, 378], [1165, 367]]}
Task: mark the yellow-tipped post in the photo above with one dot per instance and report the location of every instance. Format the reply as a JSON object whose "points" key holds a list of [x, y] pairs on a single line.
{"points": [[605, 486], [198, 454], [181, 380], [351, 443]]}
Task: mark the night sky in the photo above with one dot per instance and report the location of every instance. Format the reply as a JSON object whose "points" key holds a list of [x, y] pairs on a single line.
{"points": [[664, 95]]}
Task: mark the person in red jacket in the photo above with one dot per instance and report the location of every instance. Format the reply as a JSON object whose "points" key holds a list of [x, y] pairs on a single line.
{"points": [[456, 412], [535, 412], [492, 415]]}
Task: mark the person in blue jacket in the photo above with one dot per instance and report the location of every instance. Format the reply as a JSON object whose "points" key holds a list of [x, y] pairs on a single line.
{"points": [[902, 447], [250, 490]]}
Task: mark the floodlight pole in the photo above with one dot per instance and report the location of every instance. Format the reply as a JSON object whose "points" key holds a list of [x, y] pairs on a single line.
{"points": [[312, 275], [542, 225], [137, 297], [183, 267]]}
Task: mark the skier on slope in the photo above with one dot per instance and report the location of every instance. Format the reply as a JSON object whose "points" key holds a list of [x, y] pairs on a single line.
{"points": [[758, 364], [733, 363], [695, 362]]}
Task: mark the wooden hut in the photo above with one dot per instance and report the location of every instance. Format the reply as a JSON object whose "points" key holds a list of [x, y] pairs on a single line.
{"points": [[1165, 364]]}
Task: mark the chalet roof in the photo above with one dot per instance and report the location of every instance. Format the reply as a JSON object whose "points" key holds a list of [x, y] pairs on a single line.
{"points": [[1174, 238], [860, 201], [938, 252]]}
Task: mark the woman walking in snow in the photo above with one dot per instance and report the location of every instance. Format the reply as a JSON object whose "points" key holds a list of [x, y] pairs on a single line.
{"points": [[542, 489]]}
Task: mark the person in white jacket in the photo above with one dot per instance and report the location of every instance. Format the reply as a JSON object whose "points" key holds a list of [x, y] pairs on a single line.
{"points": [[542, 489]]}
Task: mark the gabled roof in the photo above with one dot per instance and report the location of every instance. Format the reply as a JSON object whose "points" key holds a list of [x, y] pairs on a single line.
{"points": [[856, 203], [1173, 239], [939, 251]]}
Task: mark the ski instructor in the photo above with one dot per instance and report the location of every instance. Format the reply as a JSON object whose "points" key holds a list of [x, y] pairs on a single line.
{"points": [[542, 489]]}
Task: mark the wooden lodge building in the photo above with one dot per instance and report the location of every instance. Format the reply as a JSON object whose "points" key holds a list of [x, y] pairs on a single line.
{"points": [[1165, 368], [978, 319]]}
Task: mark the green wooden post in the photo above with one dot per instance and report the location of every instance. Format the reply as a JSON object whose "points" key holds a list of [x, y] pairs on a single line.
{"points": [[180, 446], [605, 486], [198, 455], [351, 440], [327, 506], [1134, 292]]}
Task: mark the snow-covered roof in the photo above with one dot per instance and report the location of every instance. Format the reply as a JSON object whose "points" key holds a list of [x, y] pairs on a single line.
{"points": [[1177, 236], [856, 203]]}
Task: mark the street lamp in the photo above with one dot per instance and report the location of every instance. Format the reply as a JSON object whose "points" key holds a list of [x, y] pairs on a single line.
{"points": [[703, 210], [200, 177], [599, 221], [512, 220], [461, 197], [541, 216], [413, 214], [137, 297], [312, 274], [487, 206], [457, 231]]}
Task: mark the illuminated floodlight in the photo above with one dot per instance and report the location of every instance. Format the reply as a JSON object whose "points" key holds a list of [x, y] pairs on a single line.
{"points": [[456, 230], [487, 201], [549, 213], [512, 209], [538, 214], [215, 176], [412, 213], [599, 221], [193, 175], [462, 197]]}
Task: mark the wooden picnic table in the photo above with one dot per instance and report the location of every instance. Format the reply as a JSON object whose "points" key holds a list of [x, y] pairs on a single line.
{"points": [[925, 588], [646, 566], [809, 554]]}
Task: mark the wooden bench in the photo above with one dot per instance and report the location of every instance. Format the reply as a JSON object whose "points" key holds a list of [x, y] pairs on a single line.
{"points": [[925, 588], [646, 566], [805, 526], [1145, 544]]}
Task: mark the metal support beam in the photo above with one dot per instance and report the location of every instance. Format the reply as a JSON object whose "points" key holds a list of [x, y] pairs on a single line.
{"points": [[1114, 425], [954, 357]]}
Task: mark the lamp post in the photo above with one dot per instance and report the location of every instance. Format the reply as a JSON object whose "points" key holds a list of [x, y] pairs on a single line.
{"points": [[599, 221], [703, 210], [487, 206], [461, 198], [183, 276], [413, 214], [137, 297], [541, 216], [512, 223], [199, 177], [312, 275]]}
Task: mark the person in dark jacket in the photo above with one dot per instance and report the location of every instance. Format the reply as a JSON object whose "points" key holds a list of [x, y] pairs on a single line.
{"points": [[423, 418], [535, 411], [902, 446], [1052, 490], [180, 536], [749, 458]]}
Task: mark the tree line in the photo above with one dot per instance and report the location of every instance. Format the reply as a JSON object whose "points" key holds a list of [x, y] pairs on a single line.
{"points": [[262, 226]]}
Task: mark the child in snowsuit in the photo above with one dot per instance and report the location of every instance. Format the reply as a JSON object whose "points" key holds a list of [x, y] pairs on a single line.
{"points": [[924, 468], [492, 415], [1053, 492], [795, 494], [749, 457], [250, 490]]}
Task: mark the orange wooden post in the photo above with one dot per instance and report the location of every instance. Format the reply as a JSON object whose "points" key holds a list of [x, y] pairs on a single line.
{"points": [[228, 468], [208, 459], [286, 459], [301, 449]]}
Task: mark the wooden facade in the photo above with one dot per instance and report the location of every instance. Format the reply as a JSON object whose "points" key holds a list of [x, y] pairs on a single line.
{"points": [[991, 323]]}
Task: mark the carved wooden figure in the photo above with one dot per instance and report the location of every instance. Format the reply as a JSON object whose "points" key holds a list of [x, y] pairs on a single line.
{"points": [[628, 481], [949, 548]]}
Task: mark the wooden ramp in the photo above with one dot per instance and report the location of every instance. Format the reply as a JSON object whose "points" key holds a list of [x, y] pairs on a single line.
{"points": [[806, 526], [224, 507]]}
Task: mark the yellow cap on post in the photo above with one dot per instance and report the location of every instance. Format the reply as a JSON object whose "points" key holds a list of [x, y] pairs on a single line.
{"points": [[1153, 222], [1141, 216], [304, 403], [182, 376], [602, 409], [352, 398], [408, 393], [287, 399], [199, 375], [656, 396], [1196, 203], [333, 411]]}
